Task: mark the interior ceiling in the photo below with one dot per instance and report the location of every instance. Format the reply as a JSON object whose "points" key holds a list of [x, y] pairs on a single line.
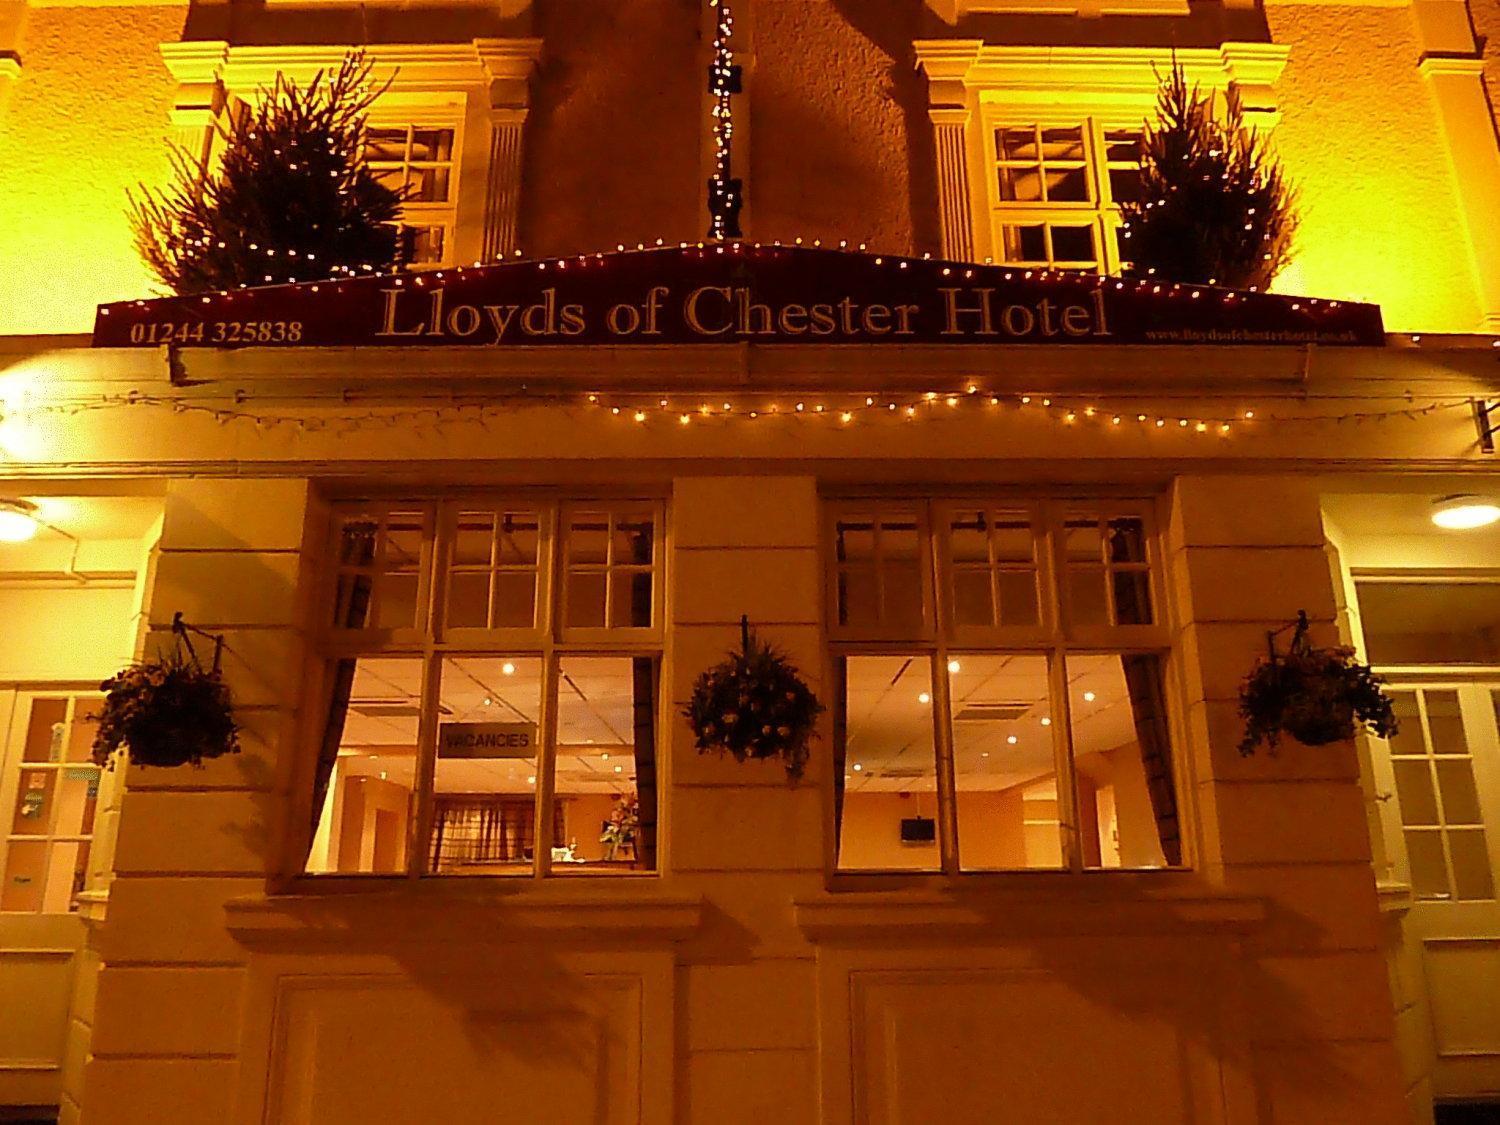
{"points": [[1382, 514], [890, 726]]}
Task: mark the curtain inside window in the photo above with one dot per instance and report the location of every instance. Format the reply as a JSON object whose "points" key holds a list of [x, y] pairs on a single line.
{"points": [[478, 829], [356, 549], [643, 726], [1143, 680]]}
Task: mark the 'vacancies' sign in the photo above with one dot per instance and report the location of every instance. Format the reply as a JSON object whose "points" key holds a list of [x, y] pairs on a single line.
{"points": [[487, 740], [732, 294]]}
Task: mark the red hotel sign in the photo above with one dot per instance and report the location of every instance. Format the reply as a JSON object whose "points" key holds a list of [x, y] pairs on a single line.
{"points": [[735, 293]]}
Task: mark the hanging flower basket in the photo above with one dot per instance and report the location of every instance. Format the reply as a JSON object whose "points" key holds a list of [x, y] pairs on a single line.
{"points": [[754, 704], [1316, 695], [167, 712]]}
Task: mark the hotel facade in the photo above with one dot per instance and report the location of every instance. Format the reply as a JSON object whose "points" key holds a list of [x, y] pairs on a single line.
{"points": [[468, 535]]}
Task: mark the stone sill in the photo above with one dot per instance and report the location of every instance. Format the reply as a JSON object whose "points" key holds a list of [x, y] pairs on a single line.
{"points": [[430, 911], [1092, 905]]}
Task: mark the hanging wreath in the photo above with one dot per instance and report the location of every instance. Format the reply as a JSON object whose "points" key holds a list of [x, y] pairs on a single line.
{"points": [[754, 704], [1316, 695], [169, 711]]}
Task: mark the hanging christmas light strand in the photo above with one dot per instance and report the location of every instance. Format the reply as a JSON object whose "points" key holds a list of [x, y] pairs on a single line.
{"points": [[725, 80], [676, 410]]}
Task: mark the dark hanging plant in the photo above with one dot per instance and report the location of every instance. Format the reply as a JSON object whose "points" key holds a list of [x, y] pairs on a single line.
{"points": [[169, 711], [1316, 695], [754, 704]]}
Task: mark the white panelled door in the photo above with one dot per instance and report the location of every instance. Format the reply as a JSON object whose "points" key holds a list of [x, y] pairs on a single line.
{"points": [[1443, 772]]}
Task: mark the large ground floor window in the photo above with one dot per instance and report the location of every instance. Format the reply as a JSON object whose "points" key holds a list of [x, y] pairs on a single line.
{"points": [[492, 690], [1000, 700]]}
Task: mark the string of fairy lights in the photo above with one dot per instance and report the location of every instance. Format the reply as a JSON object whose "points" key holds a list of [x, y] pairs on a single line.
{"points": [[725, 80], [679, 412]]}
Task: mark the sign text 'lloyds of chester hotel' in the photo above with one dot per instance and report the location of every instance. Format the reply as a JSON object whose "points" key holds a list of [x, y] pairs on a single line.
{"points": [[732, 294]]}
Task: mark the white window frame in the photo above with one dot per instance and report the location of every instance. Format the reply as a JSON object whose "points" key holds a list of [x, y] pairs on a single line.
{"points": [[551, 640], [1053, 636], [1099, 211], [419, 213]]}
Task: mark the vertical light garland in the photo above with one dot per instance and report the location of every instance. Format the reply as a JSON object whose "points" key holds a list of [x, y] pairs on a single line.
{"points": [[725, 194]]}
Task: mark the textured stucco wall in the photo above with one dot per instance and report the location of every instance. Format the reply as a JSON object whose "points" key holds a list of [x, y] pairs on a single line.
{"points": [[840, 143], [614, 134], [85, 121], [1360, 135]]}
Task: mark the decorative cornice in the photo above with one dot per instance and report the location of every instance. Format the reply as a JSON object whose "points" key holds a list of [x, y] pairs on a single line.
{"points": [[407, 66], [195, 61], [1095, 70], [1449, 66]]}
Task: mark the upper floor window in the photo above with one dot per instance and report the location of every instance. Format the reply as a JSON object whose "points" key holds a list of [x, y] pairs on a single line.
{"points": [[492, 689], [1057, 188], [1000, 701], [418, 161]]}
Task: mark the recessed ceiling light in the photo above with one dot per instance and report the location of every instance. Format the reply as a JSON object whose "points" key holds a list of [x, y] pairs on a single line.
{"points": [[488, 701], [924, 698], [17, 521], [1012, 739], [1046, 722], [955, 667], [1464, 512], [1088, 697], [605, 756], [507, 669], [619, 769], [531, 780], [984, 753], [858, 767]]}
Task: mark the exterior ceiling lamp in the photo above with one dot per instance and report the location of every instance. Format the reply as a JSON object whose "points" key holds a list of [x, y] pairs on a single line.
{"points": [[1464, 512], [18, 521]]}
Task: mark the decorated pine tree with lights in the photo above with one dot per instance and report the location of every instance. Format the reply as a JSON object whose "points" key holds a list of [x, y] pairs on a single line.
{"points": [[1214, 206], [291, 199]]}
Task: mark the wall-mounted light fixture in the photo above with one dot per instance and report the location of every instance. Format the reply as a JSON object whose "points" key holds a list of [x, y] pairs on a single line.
{"points": [[1464, 511], [18, 521]]}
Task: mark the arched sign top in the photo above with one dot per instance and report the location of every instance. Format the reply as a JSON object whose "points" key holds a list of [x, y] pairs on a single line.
{"points": [[733, 293]]}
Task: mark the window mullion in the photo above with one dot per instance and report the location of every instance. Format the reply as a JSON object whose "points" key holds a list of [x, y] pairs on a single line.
{"points": [[942, 710], [1062, 748], [546, 763], [439, 554]]}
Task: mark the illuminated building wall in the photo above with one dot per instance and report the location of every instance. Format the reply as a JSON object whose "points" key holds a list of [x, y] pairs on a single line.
{"points": [[836, 139]]}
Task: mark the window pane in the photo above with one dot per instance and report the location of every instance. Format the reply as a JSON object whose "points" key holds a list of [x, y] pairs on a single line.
{"points": [[1445, 724], [46, 728], [1082, 541], [77, 795], [515, 599], [1124, 185], [484, 788], [396, 606], [432, 145], [1025, 243], [423, 244], [968, 537], [25, 876], [1408, 736], [1013, 539], [367, 766], [588, 539], [1018, 597], [630, 599], [1062, 144], [854, 538], [859, 598], [385, 145], [474, 538], [1472, 878], [1073, 244], [1431, 623], [1020, 185], [586, 593], [36, 803], [518, 539], [1414, 791], [1008, 810], [1016, 144], [1123, 755], [973, 603], [1086, 599], [901, 573], [606, 765], [888, 789], [1460, 797], [1127, 541], [1132, 590], [469, 601], [1067, 185], [1429, 872], [1122, 146], [634, 540]]}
